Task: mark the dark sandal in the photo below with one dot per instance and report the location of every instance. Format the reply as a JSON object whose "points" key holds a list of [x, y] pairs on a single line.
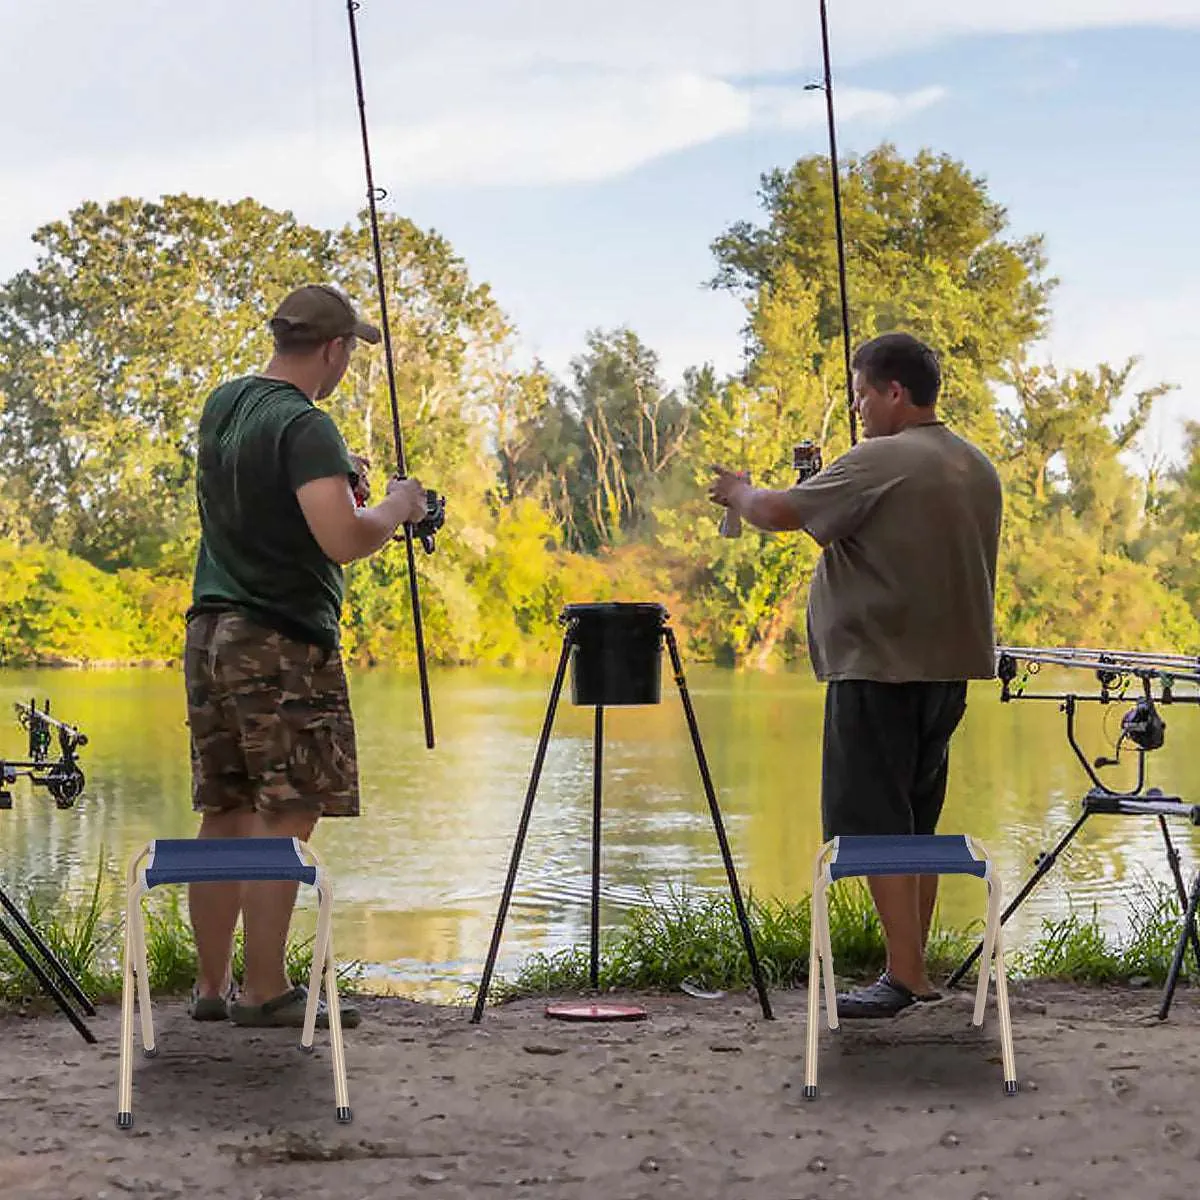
{"points": [[210, 1008], [287, 1012], [883, 998]]}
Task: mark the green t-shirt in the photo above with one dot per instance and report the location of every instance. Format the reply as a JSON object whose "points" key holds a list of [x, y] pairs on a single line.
{"points": [[259, 440]]}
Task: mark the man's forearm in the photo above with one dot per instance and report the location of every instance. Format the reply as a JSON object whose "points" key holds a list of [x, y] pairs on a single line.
{"points": [[767, 510], [376, 525]]}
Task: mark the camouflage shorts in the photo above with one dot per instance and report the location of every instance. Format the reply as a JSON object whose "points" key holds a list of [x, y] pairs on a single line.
{"points": [[270, 721]]}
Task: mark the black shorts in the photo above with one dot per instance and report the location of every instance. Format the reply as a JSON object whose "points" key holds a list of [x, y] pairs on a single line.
{"points": [[886, 754]]}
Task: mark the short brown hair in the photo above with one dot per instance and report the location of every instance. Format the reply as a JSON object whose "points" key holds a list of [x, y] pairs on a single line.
{"points": [[904, 359], [290, 340]]}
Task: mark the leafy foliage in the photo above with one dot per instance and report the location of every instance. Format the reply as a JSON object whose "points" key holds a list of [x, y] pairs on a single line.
{"points": [[590, 487]]}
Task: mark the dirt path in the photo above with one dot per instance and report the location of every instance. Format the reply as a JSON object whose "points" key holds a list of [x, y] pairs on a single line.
{"points": [[703, 1100]]}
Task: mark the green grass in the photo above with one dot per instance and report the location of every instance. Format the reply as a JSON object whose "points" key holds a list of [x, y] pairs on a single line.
{"points": [[698, 940], [686, 937], [87, 940], [1076, 949]]}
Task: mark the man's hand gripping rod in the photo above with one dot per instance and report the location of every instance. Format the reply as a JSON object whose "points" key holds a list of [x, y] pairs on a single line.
{"points": [[435, 515]]}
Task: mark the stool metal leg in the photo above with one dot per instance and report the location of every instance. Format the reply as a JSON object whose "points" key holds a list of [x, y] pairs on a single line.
{"points": [[142, 975], [990, 934], [993, 953], [128, 985], [316, 972], [820, 969], [831, 1013], [1006, 1037], [324, 971], [814, 992], [337, 1046]]}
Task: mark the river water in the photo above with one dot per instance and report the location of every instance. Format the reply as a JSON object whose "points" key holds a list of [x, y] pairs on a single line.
{"points": [[418, 876]]}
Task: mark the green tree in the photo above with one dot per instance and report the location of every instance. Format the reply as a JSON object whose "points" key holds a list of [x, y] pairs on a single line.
{"points": [[615, 432], [928, 251], [745, 595], [133, 311]]}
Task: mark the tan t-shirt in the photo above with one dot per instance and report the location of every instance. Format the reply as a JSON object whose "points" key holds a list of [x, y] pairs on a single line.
{"points": [[905, 588]]}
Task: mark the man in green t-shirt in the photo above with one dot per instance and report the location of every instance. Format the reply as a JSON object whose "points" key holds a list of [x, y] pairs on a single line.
{"points": [[282, 508]]}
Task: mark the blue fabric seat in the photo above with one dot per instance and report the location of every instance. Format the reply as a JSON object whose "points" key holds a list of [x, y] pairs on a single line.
{"points": [[167, 861], [909, 854], [918, 854], [227, 860]]}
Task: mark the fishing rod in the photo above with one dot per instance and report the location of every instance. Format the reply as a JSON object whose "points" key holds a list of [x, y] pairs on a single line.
{"points": [[1084, 656], [1114, 670], [827, 88], [435, 504]]}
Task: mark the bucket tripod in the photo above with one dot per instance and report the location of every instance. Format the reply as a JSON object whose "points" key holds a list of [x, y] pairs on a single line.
{"points": [[615, 652]]}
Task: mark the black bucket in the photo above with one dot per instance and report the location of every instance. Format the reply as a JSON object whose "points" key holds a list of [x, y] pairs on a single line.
{"points": [[616, 653]]}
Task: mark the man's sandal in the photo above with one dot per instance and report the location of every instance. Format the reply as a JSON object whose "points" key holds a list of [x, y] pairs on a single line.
{"points": [[287, 1012], [883, 998], [210, 1008]]}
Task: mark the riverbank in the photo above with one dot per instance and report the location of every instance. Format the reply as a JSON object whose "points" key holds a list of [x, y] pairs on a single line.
{"points": [[701, 1100]]}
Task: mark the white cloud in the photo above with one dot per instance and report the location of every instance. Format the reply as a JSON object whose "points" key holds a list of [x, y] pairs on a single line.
{"points": [[229, 99], [547, 130], [567, 134], [139, 79]]}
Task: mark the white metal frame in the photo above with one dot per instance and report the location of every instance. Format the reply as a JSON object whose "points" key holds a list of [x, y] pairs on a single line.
{"points": [[136, 975], [820, 963]]}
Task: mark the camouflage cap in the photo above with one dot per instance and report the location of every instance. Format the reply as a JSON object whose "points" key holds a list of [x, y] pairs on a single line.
{"points": [[323, 313]]}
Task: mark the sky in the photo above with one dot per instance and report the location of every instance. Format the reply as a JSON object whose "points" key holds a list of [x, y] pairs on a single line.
{"points": [[581, 158]]}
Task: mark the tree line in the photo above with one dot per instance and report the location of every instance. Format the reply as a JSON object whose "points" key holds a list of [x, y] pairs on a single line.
{"points": [[577, 488]]}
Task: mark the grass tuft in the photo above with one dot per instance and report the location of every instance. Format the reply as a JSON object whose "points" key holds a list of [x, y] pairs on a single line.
{"points": [[87, 939]]}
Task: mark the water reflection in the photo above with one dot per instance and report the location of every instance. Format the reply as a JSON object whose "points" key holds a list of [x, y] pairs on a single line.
{"points": [[419, 875]]}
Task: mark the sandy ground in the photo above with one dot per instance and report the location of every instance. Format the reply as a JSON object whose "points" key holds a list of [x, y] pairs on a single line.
{"points": [[703, 1099]]}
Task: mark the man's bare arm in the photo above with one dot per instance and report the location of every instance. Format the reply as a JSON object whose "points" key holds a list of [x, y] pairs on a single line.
{"points": [[765, 509], [346, 533]]}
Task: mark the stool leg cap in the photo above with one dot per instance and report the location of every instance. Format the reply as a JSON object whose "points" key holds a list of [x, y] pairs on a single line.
{"points": [[810, 1091], [151, 1053], [125, 1120], [1010, 1087], [344, 1116]]}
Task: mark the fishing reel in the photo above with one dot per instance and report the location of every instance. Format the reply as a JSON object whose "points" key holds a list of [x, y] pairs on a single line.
{"points": [[1143, 726], [432, 521], [64, 782], [63, 779], [806, 460]]}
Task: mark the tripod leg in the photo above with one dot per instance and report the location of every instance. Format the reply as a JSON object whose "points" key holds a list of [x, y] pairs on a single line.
{"points": [[1189, 927], [597, 777], [65, 977], [1180, 886], [719, 826], [47, 983], [1045, 861], [522, 829]]}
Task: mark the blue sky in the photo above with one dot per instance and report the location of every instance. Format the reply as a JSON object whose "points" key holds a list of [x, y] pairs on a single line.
{"points": [[582, 158]]}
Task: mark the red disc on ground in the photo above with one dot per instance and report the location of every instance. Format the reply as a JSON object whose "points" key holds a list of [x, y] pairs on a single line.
{"points": [[595, 1012]]}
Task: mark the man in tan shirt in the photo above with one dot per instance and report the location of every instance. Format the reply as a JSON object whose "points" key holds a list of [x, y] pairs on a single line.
{"points": [[900, 616]]}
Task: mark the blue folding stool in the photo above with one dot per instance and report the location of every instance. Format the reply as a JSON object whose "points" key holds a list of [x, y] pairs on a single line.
{"points": [[226, 860], [910, 854]]}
